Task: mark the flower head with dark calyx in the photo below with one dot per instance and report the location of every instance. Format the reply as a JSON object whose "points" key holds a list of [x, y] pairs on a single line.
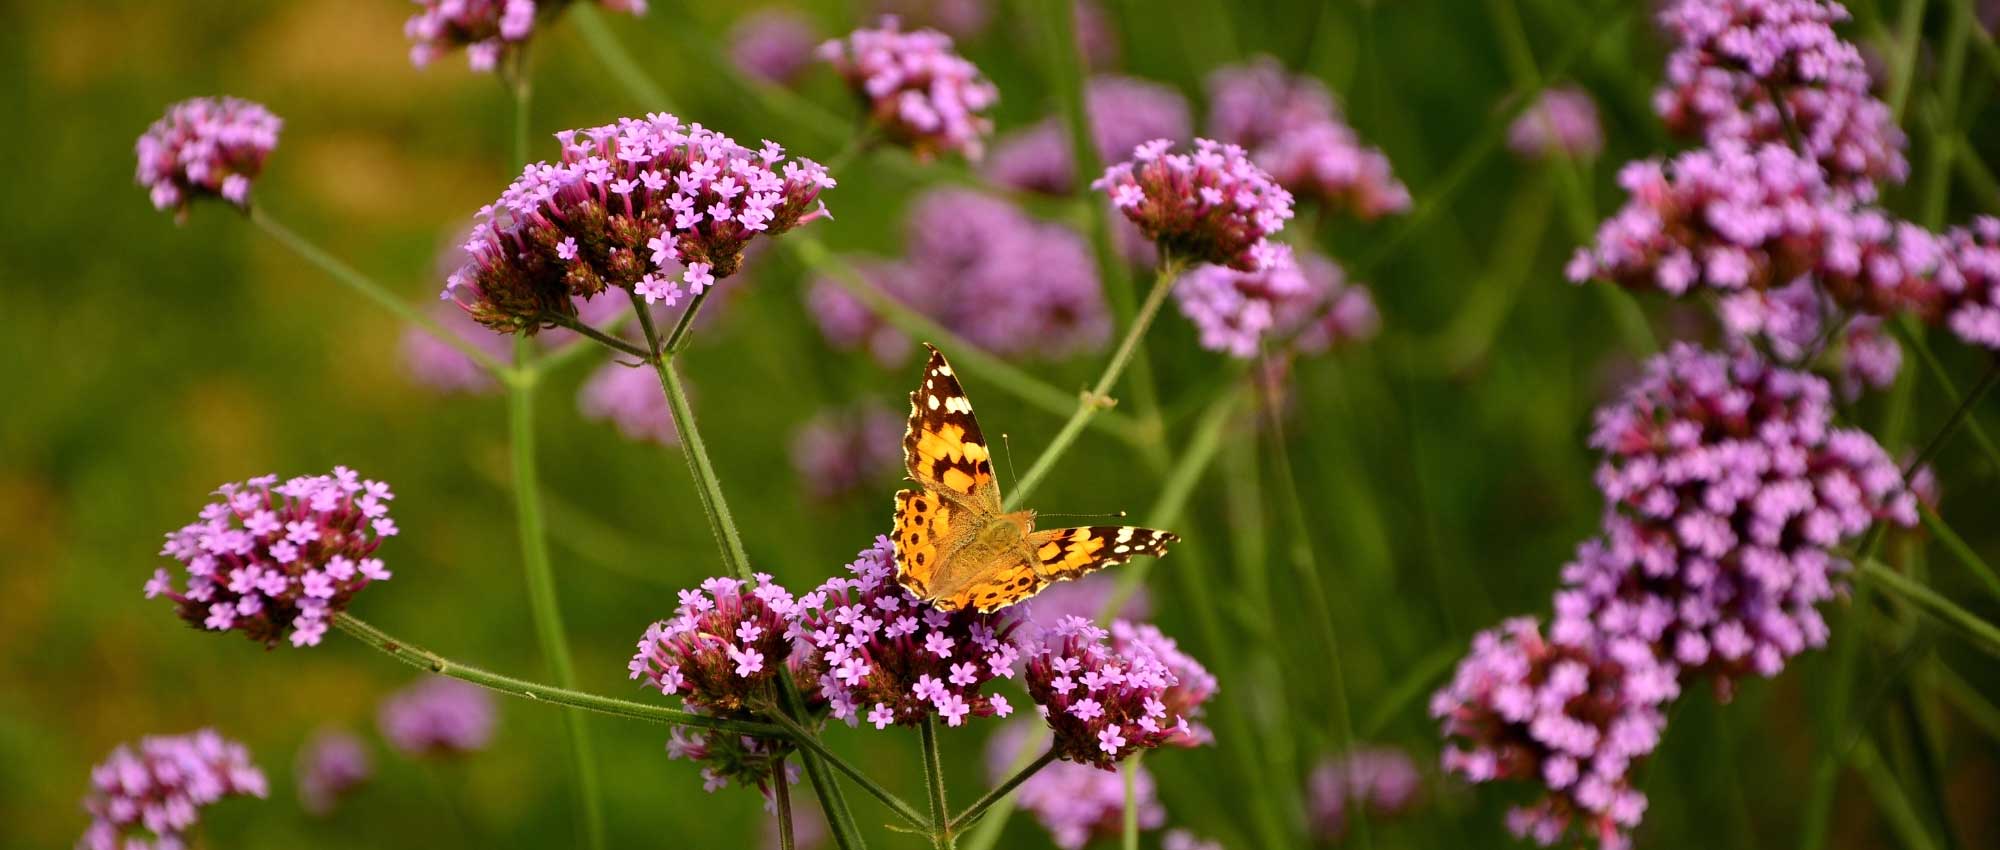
{"points": [[150, 796], [774, 45], [1969, 287], [729, 759], [1297, 297], [330, 766], [1571, 717], [725, 647], [660, 209], [1124, 113], [1727, 487], [1381, 780], [1562, 123], [1076, 803], [277, 561], [206, 147], [487, 29], [1109, 698], [437, 717], [1209, 206], [881, 655], [840, 451], [1732, 56], [919, 92]]}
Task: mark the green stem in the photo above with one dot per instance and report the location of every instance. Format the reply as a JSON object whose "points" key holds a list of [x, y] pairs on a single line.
{"points": [[707, 485], [1130, 834], [677, 339], [1958, 418], [1410, 688], [1984, 635], [1098, 396], [999, 792], [1909, 37], [374, 291], [781, 792], [811, 744], [833, 804], [424, 659], [601, 338], [576, 349], [941, 834], [1913, 337], [1961, 550], [1889, 797], [617, 60]]}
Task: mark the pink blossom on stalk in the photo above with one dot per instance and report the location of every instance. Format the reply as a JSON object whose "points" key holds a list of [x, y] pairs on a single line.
{"points": [[1107, 699], [1381, 780], [438, 717], [1969, 286], [331, 765], [724, 647], [151, 797], [277, 561], [1124, 112], [650, 206], [1562, 123], [775, 45], [631, 399], [205, 147], [486, 29], [1303, 297], [1210, 206], [1572, 717], [1076, 803], [919, 92], [840, 451]]}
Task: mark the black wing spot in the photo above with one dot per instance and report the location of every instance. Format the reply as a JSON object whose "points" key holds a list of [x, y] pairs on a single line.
{"points": [[916, 538], [920, 559], [920, 505]]}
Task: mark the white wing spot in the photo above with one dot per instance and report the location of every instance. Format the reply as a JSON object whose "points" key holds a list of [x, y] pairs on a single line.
{"points": [[1122, 549], [1125, 534], [944, 368], [931, 401], [957, 404]]}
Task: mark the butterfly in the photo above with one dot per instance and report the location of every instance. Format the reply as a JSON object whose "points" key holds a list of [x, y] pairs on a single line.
{"points": [[956, 546]]}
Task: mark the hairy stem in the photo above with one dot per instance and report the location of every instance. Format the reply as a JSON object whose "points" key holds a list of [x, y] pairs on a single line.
{"points": [[941, 834], [707, 485], [811, 743], [781, 792], [999, 792]]}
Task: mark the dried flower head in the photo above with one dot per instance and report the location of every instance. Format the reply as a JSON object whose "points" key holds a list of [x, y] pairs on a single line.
{"points": [[919, 92], [724, 649], [487, 29], [650, 206], [1303, 298], [1124, 113], [1573, 717], [150, 797], [1563, 122], [438, 717], [840, 451], [1210, 206], [331, 765], [1107, 699], [774, 45], [1381, 780], [277, 560], [206, 147], [882, 655], [1076, 803]]}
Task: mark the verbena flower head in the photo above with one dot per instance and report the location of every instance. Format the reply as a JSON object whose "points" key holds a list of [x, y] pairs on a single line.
{"points": [[1076, 803], [1562, 123], [1296, 296], [331, 765], [1726, 487], [883, 656], [1107, 699], [1210, 206], [774, 45], [728, 759], [206, 147], [1969, 287], [1381, 780], [151, 796], [841, 451], [1731, 55], [651, 206], [487, 29], [1571, 717], [629, 398], [438, 717], [919, 92], [277, 561], [724, 648], [1124, 113]]}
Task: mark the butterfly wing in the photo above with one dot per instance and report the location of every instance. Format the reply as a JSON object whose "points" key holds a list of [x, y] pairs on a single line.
{"points": [[942, 448], [923, 523], [1067, 553], [1003, 586]]}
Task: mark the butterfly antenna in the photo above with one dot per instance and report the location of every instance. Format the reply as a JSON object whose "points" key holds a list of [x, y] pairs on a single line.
{"points": [[1112, 515], [1008, 446]]}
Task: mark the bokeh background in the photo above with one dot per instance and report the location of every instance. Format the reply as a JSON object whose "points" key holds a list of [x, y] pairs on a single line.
{"points": [[1442, 468]]}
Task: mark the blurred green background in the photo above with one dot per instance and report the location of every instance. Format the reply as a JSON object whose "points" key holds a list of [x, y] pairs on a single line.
{"points": [[1442, 469]]}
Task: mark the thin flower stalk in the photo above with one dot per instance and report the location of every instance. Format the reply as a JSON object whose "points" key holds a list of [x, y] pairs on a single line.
{"points": [[999, 792], [941, 835]]}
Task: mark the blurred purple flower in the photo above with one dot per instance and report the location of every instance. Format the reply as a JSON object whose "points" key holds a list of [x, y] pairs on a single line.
{"points": [[631, 399], [205, 147], [1382, 780], [1181, 839], [1210, 206], [1563, 122], [150, 798], [487, 29], [774, 45], [840, 451], [1254, 103], [1076, 803], [1124, 113], [1086, 598], [809, 830], [437, 717], [1307, 297], [1107, 699], [439, 366], [919, 92], [1969, 285], [961, 18], [723, 649], [277, 560], [1870, 357], [331, 765], [1293, 129], [848, 325]]}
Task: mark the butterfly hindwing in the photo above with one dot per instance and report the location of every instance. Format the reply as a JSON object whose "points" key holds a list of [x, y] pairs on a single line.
{"points": [[943, 448], [923, 523], [1067, 553], [998, 588]]}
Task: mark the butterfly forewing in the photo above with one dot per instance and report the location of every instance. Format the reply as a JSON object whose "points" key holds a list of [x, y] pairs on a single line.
{"points": [[943, 448], [1066, 553]]}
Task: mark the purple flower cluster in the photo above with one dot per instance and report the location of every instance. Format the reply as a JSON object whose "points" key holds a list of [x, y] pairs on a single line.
{"points": [[438, 717], [1727, 488], [919, 92], [725, 759], [1076, 803], [1293, 129], [1562, 123], [1124, 113], [882, 655], [1006, 281], [1304, 298], [724, 648], [774, 45], [330, 766], [1381, 780], [1969, 289], [1107, 699], [651, 206], [149, 798], [487, 29], [1733, 56], [631, 399], [205, 147], [841, 451], [1210, 206], [275, 560], [1573, 716]]}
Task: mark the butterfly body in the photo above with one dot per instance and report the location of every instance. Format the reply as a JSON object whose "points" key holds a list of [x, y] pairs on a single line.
{"points": [[956, 546]]}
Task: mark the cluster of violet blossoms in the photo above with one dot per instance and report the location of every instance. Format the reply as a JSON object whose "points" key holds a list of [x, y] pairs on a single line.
{"points": [[330, 766], [275, 560], [1301, 298], [205, 147], [650, 206], [1563, 123], [1125, 112], [1292, 127], [1209, 206], [724, 647], [919, 92], [486, 29], [148, 798], [1382, 781], [1108, 694]]}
